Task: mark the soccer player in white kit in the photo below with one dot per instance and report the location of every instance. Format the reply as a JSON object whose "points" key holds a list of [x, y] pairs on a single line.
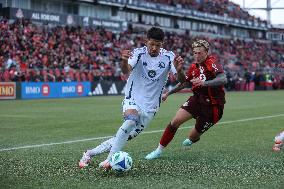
{"points": [[148, 67]]}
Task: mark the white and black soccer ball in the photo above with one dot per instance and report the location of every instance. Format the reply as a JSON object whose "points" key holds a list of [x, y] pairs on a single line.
{"points": [[121, 161]]}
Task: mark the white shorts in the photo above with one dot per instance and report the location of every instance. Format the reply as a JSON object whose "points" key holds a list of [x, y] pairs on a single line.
{"points": [[144, 117]]}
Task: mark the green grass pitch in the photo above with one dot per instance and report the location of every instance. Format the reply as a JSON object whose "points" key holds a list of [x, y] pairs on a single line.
{"points": [[233, 154]]}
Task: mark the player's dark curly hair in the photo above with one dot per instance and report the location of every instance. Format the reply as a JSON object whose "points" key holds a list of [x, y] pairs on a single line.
{"points": [[156, 34]]}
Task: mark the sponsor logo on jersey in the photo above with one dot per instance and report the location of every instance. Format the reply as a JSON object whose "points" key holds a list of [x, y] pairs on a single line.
{"points": [[162, 65], [152, 73]]}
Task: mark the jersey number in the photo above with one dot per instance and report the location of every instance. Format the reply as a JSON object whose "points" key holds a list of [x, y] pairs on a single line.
{"points": [[202, 77], [215, 67]]}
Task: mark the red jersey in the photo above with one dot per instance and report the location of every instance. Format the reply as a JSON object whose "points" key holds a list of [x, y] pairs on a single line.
{"points": [[207, 71]]}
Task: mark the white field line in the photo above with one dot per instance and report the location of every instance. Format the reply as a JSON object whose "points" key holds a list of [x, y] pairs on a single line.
{"points": [[16, 116], [146, 132]]}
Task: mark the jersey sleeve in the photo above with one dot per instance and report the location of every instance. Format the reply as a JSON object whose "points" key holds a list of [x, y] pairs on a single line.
{"points": [[216, 66], [134, 57], [172, 56]]}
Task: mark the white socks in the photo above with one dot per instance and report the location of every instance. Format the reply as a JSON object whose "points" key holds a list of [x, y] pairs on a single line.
{"points": [[280, 137], [160, 148], [103, 147], [121, 137]]}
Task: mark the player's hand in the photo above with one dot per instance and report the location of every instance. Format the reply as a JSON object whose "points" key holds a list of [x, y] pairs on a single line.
{"points": [[164, 97], [196, 82], [125, 54], [178, 63]]}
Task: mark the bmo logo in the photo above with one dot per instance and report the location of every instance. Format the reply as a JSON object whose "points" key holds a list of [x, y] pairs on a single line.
{"points": [[80, 89], [45, 90]]}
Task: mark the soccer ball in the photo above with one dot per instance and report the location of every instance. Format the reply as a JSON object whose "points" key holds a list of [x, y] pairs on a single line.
{"points": [[121, 162]]}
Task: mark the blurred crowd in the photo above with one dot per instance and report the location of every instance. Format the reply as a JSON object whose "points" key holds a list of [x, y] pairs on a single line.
{"points": [[219, 7], [36, 53]]}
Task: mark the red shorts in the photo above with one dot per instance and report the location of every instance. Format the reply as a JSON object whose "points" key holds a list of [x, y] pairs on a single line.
{"points": [[204, 112]]}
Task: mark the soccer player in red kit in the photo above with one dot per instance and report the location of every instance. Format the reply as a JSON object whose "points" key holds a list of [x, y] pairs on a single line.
{"points": [[206, 105]]}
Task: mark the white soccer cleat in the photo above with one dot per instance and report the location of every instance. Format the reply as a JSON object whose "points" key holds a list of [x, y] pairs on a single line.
{"points": [[85, 160], [105, 165], [278, 142], [277, 146], [154, 155]]}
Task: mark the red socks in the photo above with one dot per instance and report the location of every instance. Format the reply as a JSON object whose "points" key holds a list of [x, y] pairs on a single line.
{"points": [[168, 135]]}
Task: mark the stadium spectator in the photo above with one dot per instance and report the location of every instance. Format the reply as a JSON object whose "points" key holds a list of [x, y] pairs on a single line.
{"points": [[26, 47]]}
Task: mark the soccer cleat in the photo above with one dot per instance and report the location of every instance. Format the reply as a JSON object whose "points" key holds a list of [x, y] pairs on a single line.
{"points": [[277, 146], [105, 165], [154, 155], [187, 142], [278, 142], [85, 160]]}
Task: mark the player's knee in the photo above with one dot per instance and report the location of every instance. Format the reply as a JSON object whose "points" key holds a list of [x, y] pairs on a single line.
{"points": [[132, 119], [128, 126]]}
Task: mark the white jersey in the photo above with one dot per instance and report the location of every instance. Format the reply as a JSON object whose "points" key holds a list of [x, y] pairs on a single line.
{"points": [[148, 77]]}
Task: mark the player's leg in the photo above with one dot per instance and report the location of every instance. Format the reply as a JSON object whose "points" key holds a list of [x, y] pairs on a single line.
{"points": [[131, 118], [278, 142], [106, 145], [145, 119], [88, 154], [169, 133], [194, 134], [103, 147], [208, 117], [136, 131]]}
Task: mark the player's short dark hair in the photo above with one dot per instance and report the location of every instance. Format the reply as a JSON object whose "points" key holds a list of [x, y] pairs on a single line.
{"points": [[156, 34]]}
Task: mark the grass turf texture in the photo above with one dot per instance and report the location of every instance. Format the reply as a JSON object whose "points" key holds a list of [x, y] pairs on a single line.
{"points": [[232, 155]]}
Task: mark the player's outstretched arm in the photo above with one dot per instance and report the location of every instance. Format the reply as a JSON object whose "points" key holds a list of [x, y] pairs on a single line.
{"points": [[220, 79], [177, 88], [125, 67]]}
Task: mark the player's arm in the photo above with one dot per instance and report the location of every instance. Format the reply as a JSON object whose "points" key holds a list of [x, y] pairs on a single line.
{"points": [[125, 67], [220, 79], [177, 88]]}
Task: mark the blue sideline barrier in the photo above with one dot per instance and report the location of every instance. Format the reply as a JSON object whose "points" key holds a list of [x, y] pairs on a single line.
{"points": [[32, 90]]}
